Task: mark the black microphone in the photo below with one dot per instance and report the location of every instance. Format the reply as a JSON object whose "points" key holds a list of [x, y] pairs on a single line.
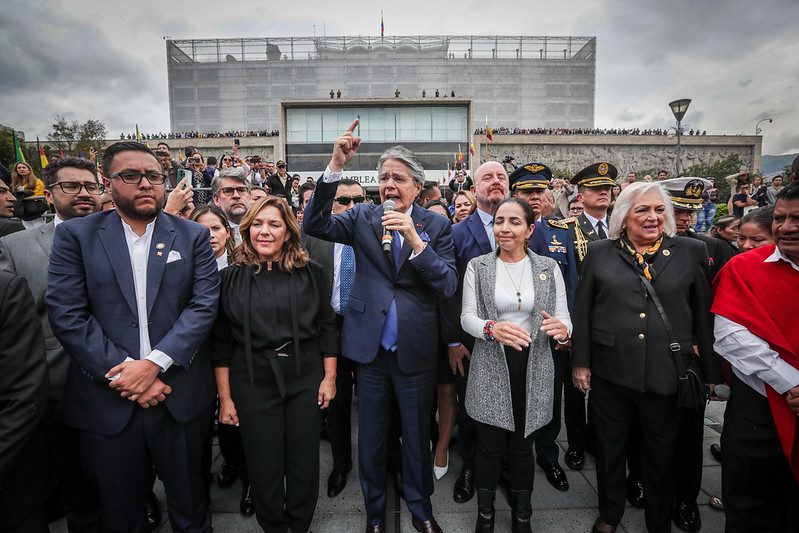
{"points": [[388, 235], [722, 391]]}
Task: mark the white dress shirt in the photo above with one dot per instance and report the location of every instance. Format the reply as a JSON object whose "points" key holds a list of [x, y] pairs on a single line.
{"points": [[752, 359], [139, 250], [593, 222], [221, 261]]}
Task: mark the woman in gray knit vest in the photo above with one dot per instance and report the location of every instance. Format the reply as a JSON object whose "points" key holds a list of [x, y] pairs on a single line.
{"points": [[513, 301]]}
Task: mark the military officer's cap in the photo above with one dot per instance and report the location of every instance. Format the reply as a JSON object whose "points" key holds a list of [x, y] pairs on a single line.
{"points": [[530, 176], [686, 193], [602, 174]]}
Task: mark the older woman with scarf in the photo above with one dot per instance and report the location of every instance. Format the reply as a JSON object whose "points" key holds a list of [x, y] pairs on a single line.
{"points": [[513, 302], [626, 355]]}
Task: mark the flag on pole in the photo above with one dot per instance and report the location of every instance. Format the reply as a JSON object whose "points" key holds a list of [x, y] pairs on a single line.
{"points": [[80, 154], [138, 135], [460, 154], [382, 27], [449, 172], [180, 157], [42, 157], [18, 150], [471, 149], [489, 134], [148, 144]]}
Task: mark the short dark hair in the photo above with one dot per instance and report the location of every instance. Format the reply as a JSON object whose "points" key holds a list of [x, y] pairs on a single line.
{"points": [[189, 150], [762, 217], [165, 144], [211, 160], [789, 192], [124, 146], [529, 214], [425, 192], [661, 171], [50, 172], [573, 201], [347, 181]]}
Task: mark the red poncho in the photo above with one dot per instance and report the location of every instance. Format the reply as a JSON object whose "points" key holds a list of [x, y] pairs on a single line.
{"points": [[764, 298]]}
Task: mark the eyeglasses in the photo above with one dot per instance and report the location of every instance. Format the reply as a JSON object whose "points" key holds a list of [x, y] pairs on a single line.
{"points": [[345, 200], [228, 191], [227, 159], [74, 187], [131, 177]]}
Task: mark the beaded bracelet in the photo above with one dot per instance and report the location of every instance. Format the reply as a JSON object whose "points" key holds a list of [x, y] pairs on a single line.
{"points": [[488, 331]]}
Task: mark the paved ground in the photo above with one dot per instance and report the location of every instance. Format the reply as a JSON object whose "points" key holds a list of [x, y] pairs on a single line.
{"points": [[572, 511]]}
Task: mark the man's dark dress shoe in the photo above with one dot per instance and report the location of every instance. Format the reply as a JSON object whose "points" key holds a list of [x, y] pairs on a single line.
{"points": [[555, 475], [463, 491], [600, 526], [153, 511], [246, 506], [715, 451], [635, 493], [574, 459], [227, 476], [428, 526], [379, 528], [686, 516], [337, 481]]}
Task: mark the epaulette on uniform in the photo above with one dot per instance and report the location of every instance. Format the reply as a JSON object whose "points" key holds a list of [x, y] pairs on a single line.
{"points": [[562, 224]]}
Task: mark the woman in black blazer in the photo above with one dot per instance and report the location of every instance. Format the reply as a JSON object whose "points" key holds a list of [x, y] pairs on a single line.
{"points": [[620, 349], [274, 346]]}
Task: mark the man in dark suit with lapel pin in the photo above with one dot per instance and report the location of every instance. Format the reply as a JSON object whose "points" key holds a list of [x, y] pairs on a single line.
{"points": [[131, 295], [390, 325], [338, 263], [73, 189]]}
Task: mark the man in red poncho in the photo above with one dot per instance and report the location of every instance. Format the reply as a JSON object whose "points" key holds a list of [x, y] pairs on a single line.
{"points": [[757, 331]]}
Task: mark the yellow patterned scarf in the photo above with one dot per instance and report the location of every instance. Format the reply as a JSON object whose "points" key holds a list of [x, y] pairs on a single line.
{"points": [[642, 261]]}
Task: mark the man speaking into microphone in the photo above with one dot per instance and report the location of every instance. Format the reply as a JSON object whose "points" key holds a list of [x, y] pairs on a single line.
{"points": [[390, 326]]}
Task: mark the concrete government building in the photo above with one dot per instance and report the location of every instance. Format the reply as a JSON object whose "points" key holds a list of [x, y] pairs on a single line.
{"points": [[426, 92]]}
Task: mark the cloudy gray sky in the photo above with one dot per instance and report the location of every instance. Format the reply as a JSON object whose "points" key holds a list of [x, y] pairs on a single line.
{"points": [[105, 59]]}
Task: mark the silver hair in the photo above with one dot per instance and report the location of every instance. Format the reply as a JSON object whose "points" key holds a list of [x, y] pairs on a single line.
{"points": [[410, 160], [626, 200], [233, 173]]}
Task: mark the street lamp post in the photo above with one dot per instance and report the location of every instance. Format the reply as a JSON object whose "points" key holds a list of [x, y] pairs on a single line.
{"points": [[679, 107], [757, 126]]}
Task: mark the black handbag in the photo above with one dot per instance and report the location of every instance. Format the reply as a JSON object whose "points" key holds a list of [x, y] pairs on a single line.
{"points": [[691, 390]]}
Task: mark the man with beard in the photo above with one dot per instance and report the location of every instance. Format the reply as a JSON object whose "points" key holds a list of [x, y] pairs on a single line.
{"points": [[73, 189], [231, 192], [131, 295]]}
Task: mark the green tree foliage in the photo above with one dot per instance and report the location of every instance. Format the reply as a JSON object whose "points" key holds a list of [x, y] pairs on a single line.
{"points": [[74, 137], [718, 170], [8, 156]]}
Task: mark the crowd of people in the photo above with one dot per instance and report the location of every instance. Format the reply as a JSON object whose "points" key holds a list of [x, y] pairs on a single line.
{"points": [[165, 296], [198, 134], [502, 130]]}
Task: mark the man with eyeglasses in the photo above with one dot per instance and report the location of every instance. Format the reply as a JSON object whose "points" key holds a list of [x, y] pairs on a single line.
{"points": [[73, 189], [338, 263], [131, 295], [231, 192]]}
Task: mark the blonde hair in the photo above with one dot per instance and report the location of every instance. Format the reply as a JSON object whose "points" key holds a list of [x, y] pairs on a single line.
{"points": [[18, 182], [293, 256]]}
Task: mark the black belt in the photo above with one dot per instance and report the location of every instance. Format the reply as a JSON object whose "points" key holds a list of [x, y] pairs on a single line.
{"points": [[271, 355]]}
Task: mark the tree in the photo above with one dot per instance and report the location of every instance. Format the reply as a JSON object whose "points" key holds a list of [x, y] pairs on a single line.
{"points": [[718, 170], [90, 135], [75, 138], [64, 134]]}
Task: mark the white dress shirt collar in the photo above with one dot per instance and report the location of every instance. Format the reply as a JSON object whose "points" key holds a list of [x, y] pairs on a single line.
{"points": [[778, 255]]}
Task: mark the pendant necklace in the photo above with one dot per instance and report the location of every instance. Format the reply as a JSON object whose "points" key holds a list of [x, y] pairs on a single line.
{"points": [[516, 286]]}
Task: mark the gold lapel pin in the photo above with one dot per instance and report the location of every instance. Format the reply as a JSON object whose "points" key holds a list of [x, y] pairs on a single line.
{"points": [[160, 246], [542, 277]]}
